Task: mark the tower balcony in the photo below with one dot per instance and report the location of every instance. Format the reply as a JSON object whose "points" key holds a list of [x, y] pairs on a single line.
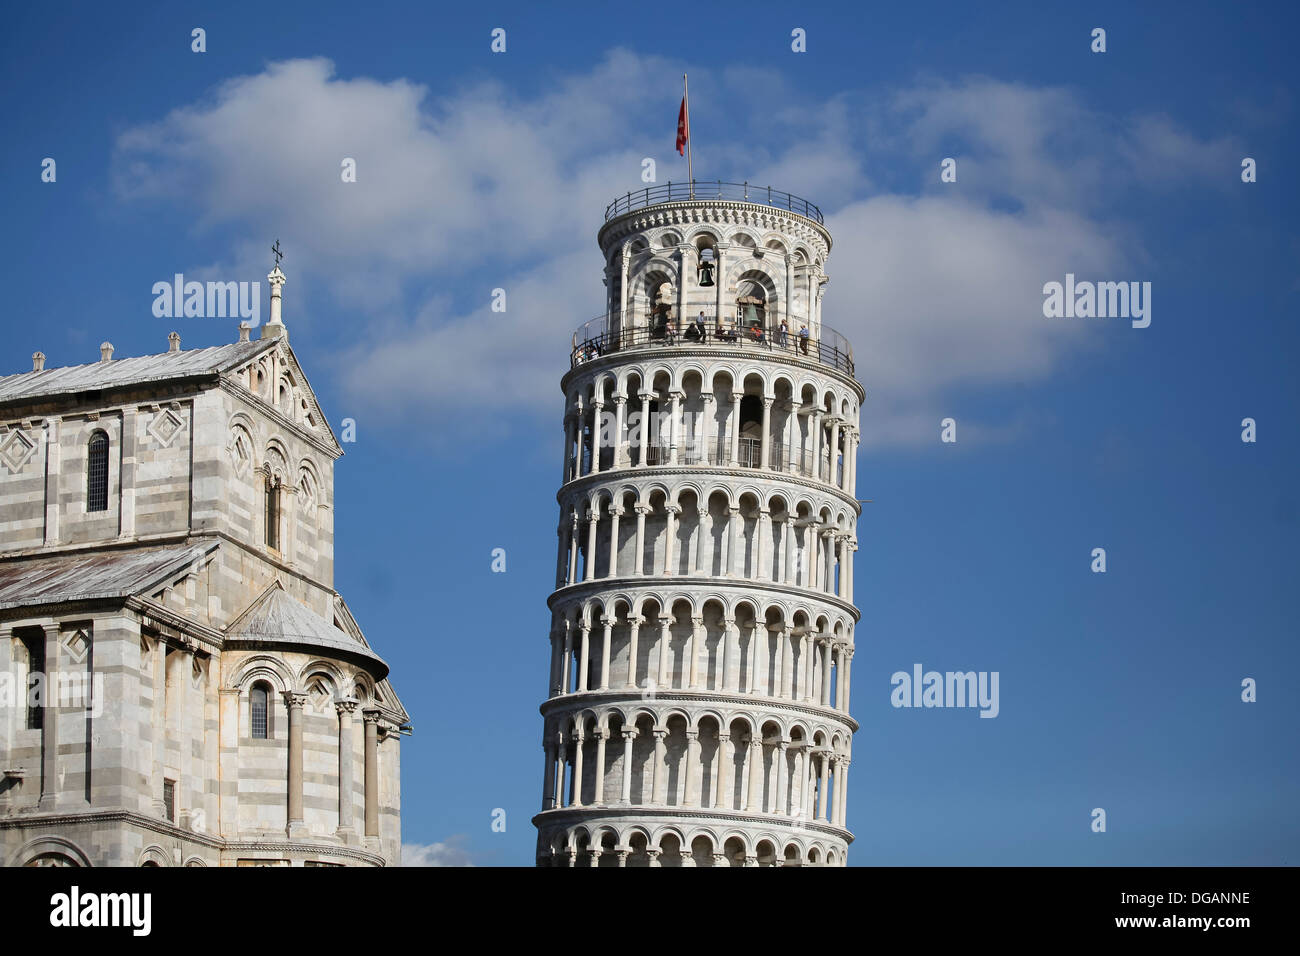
{"points": [[712, 190], [752, 331]]}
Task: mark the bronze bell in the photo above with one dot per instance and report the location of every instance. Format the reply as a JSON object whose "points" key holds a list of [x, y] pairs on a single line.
{"points": [[706, 272]]}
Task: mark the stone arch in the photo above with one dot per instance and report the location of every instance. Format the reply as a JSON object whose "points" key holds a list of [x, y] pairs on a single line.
{"points": [[736, 849], [264, 667], [153, 855], [320, 665], [57, 850]]}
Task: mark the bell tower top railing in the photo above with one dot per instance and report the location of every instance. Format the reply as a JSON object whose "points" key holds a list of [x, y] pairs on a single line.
{"points": [[705, 190]]}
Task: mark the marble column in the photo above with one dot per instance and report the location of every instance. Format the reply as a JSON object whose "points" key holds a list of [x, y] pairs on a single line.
{"points": [[664, 679], [734, 520], [824, 791], [694, 646], [584, 659], [548, 777], [593, 520], [660, 783], [782, 775], [293, 702], [670, 539], [765, 445], [826, 672], [579, 747], [643, 430], [635, 625], [345, 708], [371, 718], [692, 758], [638, 563], [608, 624], [726, 655], [702, 528], [754, 803], [733, 427], [629, 737], [612, 570], [49, 699], [708, 454], [846, 661], [620, 431], [723, 797], [567, 672], [598, 797]]}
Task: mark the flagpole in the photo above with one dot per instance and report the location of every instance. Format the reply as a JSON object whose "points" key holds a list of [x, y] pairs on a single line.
{"points": [[690, 170]]}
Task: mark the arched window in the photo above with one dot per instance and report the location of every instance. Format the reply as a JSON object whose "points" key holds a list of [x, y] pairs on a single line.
{"points": [[272, 511], [259, 712], [97, 473]]}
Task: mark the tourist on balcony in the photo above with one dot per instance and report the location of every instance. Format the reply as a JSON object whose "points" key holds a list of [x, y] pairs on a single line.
{"points": [[670, 332], [696, 331], [803, 339], [782, 333]]}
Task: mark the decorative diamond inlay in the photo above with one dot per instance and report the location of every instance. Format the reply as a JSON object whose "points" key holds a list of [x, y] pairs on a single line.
{"points": [[15, 450], [165, 426], [77, 643]]}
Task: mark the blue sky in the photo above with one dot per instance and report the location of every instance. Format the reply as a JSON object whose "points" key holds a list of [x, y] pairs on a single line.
{"points": [[478, 170]]}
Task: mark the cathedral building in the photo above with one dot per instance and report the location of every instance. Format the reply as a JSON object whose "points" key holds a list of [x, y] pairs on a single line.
{"points": [[180, 684], [702, 624]]}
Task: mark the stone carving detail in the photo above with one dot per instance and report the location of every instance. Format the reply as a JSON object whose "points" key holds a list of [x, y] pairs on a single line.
{"points": [[165, 426], [15, 450]]}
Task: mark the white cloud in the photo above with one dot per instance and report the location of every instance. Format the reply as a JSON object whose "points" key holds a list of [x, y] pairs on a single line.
{"points": [[450, 853], [938, 287]]}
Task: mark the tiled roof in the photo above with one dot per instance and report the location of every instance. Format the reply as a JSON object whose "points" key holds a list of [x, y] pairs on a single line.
{"points": [[127, 371], [81, 577], [278, 619]]}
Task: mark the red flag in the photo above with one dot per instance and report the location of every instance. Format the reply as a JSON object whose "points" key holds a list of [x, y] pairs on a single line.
{"points": [[683, 129]]}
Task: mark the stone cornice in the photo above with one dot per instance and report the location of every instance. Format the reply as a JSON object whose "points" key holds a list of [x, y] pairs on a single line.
{"points": [[680, 582], [617, 475], [233, 387], [749, 353], [71, 818], [155, 614], [702, 210], [726, 703], [695, 815]]}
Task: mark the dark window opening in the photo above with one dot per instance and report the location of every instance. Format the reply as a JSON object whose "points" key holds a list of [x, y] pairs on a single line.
{"points": [[258, 712], [272, 512], [36, 686], [97, 473]]}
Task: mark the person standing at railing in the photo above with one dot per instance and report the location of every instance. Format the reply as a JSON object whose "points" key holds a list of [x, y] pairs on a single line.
{"points": [[782, 333], [696, 331], [670, 332], [803, 338]]}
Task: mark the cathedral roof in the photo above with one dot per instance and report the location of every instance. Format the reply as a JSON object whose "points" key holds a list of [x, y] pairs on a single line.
{"points": [[128, 371], [102, 575], [278, 620]]}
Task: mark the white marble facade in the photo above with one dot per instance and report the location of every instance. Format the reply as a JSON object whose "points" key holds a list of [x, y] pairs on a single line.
{"points": [[703, 618], [233, 712]]}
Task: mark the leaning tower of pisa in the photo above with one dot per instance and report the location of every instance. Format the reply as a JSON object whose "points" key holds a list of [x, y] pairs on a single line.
{"points": [[702, 620]]}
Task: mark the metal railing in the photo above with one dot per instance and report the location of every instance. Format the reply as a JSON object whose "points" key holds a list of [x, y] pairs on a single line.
{"points": [[711, 189], [609, 333]]}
